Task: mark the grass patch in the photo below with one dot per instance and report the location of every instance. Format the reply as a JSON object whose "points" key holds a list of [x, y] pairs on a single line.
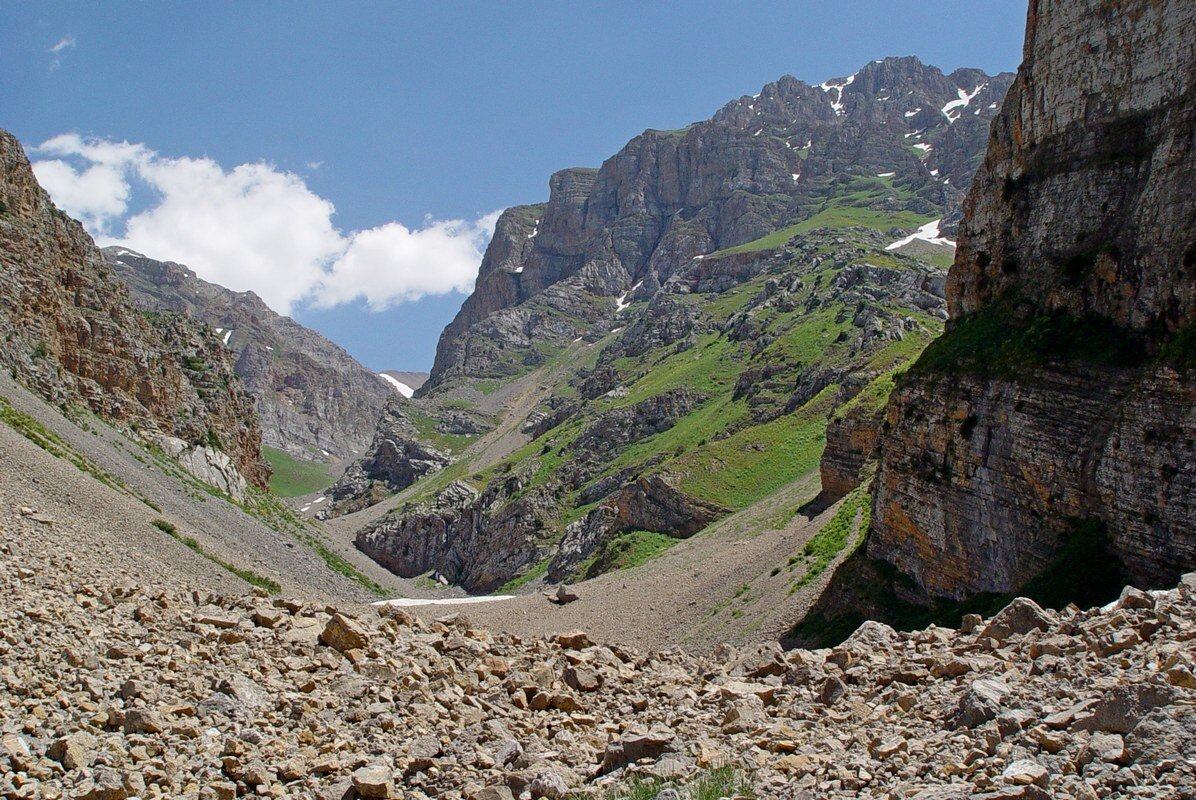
{"points": [[624, 551], [294, 477], [711, 784], [839, 214], [848, 523], [535, 572], [270, 511], [247, 575], [1001, 340], [755, 462]]}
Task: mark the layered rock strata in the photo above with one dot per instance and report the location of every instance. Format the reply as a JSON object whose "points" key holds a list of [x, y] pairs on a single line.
{"points": [[1062, 400]]}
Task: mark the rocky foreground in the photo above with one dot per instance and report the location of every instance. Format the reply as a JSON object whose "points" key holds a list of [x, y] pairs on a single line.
{"points": [[122, 690]]}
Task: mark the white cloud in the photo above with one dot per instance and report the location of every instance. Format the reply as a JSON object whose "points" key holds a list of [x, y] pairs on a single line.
{"points": [[65, 43], [256, 228], [93, 194], [392, 263]]}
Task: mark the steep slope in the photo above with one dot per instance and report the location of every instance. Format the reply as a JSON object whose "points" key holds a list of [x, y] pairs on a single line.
{"points": [[694, 321], [314, 400], [69, 331], [1056, 419], [559, 270]]}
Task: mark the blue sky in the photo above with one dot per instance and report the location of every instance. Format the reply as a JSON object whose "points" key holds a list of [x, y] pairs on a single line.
{"points": [[251, 122]]}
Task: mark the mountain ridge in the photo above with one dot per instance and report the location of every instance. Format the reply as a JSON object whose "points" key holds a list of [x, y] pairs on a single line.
{"points": [[314, 400]]}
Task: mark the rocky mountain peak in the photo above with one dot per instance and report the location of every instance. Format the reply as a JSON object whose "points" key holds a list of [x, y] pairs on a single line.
{"points": [[759, 164]]}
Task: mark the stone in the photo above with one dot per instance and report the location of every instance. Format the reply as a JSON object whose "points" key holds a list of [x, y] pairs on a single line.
{"points": [[493, 793], [374, 781], [142, 721], [1021, 616], [582, 678], [74, 751], [635, 746], [1108, 747], [344, 634], [983, 701], [104, 784], [1025, 772], [574, 640], [832, 689], [549, 785]]}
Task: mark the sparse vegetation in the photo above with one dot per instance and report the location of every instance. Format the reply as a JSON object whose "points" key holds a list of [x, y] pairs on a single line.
{"points": [[711, 784], [535, 572], [847, 526], [58, 447], [247, 575], [1006, 338], [624, 551]]}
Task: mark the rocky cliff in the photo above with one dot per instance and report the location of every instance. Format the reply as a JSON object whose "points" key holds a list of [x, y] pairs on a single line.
{"points": [[69, 331], [698, 309], [314, 400], [1059, 410], [560, 270]]}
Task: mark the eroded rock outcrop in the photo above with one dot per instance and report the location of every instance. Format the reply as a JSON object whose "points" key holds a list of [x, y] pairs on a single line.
{"points": [[1062, 400], [69, 331], [395, 459]]}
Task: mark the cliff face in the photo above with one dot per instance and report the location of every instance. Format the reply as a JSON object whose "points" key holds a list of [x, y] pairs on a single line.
{"points": [[1062, 400], [69, 331], [554, 271], [313, 399]]}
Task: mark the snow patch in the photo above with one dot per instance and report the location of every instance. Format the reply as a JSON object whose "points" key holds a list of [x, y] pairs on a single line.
{"points": [[397, 385], [837, 86], [925, 148], [885, 174], [913, 113], [927, 233], [319, 499], [228, 335], [953, 109], [409, 602], [795, 176]]}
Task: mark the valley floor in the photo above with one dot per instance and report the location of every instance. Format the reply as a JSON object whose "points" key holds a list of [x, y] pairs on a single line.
{"points": [[135, 661]]}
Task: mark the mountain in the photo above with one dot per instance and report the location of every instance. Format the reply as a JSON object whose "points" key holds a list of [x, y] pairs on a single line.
{"points": [[69, 331], [313, 399], [791, 153], [1046, 443], [671, 334]]}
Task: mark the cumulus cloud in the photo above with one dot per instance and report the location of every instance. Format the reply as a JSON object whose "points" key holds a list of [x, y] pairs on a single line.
{"points": [[92, 194], [255, 227], [392, 263]]}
